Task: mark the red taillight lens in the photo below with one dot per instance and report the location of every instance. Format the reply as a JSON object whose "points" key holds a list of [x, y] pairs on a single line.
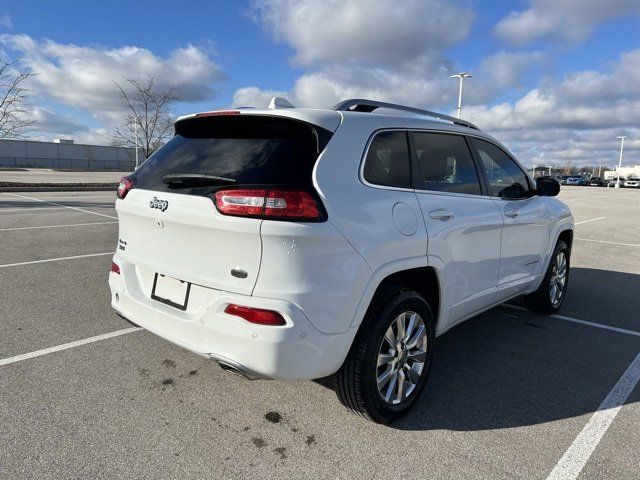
{"points": [[268, 203], [126, 184], [255, 315], [115, 268]]}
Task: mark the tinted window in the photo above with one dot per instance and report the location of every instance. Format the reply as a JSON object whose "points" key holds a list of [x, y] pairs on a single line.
{"points": [[445, 163], [247, 150], [506, 179], [387, 161]]}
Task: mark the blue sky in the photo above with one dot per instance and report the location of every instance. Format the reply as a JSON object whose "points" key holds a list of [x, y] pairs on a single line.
{"points": [[530, 59]]}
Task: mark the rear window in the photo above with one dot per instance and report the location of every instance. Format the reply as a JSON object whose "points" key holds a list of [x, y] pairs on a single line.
{"points": [[241, 149]]}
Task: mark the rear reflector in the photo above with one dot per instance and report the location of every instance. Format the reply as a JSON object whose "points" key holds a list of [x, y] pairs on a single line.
{"points": [[255, 315], [115, 268], [268, 203], [126, 184]]}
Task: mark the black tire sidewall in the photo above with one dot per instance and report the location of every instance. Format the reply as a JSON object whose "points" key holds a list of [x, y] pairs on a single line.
{"points": [[381, 320]]}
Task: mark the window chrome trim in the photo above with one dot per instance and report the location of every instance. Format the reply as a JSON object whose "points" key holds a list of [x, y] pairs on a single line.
{"points": [[419, 190]]}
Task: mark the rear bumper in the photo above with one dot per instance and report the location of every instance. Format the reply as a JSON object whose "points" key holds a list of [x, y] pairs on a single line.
{"points": [[295, 351]]}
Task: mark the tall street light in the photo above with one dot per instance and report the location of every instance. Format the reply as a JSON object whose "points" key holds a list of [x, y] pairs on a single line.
{"points": [[621, 138], [461, 76]]}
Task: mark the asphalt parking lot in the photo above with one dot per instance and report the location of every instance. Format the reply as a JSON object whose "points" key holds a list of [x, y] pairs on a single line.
{"points": [[511, 395]]}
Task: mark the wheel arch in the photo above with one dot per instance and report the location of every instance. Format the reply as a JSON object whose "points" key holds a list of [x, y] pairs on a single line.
{"points": [[423, 279]]}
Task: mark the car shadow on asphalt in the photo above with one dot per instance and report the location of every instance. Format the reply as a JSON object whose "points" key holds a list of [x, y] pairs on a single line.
{"points": [[509, 368]]}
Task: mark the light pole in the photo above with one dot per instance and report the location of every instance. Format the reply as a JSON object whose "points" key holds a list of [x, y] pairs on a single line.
{"points": [[621, 138], [461, 76], [135, 129]]}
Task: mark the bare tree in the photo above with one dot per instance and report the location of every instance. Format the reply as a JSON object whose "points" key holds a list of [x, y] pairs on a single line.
{"points": [[13, 99], [149, 122]]}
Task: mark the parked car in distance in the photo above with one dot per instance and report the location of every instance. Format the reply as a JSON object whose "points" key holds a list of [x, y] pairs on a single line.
{"points": [[596, 182], [563, 179], [632, 182], [295, 244], [613, 181], [576, 180]]}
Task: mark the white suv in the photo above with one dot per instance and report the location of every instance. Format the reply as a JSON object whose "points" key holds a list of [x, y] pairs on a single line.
{"points": [[296, 244]]}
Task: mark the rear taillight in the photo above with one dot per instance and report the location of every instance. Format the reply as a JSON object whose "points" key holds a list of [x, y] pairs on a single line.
{"points": [[126, 184], [276, 204], [255, 315], [115, 268]]}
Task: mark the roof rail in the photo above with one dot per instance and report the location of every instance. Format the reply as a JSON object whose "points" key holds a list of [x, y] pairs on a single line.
{"points": [[362, 105]]}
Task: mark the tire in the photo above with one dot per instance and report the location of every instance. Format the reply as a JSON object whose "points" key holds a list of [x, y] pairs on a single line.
{"points": [[542, 300], [356, 383]]}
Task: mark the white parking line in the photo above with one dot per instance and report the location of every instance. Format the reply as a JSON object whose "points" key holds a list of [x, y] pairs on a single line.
{"points": [[111, 196], [608, 243], [54, 259], [576, 457], [582, 322], [66, 346], [587, 221], [29, 209], [55, 226], [61, 205]]}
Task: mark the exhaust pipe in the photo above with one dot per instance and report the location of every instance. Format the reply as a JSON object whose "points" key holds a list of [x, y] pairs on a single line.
{"points": [[235, 368]]}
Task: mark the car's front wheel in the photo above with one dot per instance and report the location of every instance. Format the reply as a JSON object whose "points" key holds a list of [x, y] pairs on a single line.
{"points": [[549, 296], [389, 362]]}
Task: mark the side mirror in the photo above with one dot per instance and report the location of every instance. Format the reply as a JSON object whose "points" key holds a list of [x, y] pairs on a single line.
{"points": [[547, 186]]}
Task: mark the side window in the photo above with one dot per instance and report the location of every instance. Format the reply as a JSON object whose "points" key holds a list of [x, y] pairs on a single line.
{"points": [[445, 163], [387, 161], [506, 179]]}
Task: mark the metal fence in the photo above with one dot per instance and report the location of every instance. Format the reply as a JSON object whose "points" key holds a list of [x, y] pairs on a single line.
{"points": [[32, 154]]}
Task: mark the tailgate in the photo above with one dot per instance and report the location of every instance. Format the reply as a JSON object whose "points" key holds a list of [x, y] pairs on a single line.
{"points": [[188, 240]]}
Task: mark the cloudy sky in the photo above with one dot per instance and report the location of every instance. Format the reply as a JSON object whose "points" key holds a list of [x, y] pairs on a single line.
{"points": [[555, 80]]}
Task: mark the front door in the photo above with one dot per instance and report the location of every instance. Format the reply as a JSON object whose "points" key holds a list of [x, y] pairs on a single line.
{"points": [[527, 222]]}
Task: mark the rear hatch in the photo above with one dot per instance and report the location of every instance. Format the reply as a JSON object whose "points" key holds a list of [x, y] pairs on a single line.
{"points": [[169, 223]]}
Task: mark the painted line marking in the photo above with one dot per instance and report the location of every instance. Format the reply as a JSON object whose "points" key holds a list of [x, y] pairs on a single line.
{"points": [[576, 457], [608, 243], [587, 221], [55, 259], [66, 346], [29, 209], [55, 226], [53, 197], [61, 205], [582, 322]]}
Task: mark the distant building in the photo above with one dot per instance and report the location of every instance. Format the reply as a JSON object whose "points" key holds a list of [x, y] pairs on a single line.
{"points": [[65, 154], [625, 172]]}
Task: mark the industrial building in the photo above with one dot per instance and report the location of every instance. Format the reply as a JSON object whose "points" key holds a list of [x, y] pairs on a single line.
{"points": [[65, 154]]}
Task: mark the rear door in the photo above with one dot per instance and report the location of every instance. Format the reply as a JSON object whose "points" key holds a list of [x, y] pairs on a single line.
{"points": [[527, 222], [463, 225], [169, 223]]}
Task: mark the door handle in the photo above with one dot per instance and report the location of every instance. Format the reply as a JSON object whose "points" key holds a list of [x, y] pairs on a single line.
{"points": [[511, 213], [441, 214]]}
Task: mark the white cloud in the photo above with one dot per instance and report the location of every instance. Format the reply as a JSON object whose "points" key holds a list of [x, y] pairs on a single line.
{"points": [[383, 31], [5, 21], [254, 97], [561, 20], [576, 118], [83, 76]]}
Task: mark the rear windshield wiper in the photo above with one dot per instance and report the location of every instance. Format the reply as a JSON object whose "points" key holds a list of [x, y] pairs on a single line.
{"points": [[178, 180]]}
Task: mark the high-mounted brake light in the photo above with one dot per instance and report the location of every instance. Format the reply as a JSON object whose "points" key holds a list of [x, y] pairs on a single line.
{"points": [[115, 268], [268, 203], [126, 184], [218, 113], [255, 315]]}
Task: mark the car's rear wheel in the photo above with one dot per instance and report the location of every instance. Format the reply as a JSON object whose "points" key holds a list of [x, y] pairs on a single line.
{"points": [[389, 362], [548, 298]]}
